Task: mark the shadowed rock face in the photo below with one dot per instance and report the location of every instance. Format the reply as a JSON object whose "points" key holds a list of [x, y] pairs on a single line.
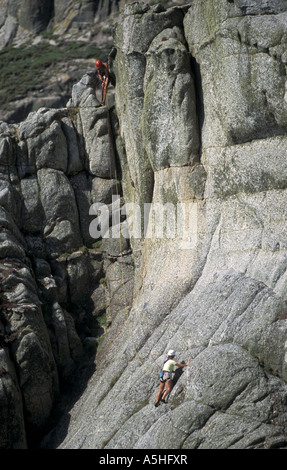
{"points": [[199, 122], [54, 166]]}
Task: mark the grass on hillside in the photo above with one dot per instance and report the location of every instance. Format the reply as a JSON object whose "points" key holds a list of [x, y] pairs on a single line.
{"points": [[24, 69]]}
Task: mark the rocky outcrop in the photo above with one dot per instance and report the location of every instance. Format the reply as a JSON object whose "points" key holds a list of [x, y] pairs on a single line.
{"points": [[53, 287], [199, 131], [22, 17], [202, 122]]}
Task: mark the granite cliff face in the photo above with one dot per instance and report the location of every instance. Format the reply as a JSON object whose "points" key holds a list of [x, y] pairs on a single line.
{"points": [[199, 122]]}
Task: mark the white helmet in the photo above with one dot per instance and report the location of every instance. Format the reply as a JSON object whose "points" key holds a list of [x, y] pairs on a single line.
{"points": [[171, 352]]}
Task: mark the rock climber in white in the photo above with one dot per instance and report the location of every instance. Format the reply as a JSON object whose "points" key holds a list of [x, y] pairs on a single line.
{"points": [[166, 376]]}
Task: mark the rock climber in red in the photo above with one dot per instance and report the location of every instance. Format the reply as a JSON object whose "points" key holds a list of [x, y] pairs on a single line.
{"points": [[103, 73]]}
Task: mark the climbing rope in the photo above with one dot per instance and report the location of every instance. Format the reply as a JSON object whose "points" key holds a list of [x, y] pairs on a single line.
{"points": [[121, 255], [177, 428]]}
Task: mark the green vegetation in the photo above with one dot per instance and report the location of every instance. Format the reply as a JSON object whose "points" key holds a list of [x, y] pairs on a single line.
{"points": [[115, 379], [102, 320], [103, 281], [97, 244], [83, 249], [100, 340], [25, 69]]}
